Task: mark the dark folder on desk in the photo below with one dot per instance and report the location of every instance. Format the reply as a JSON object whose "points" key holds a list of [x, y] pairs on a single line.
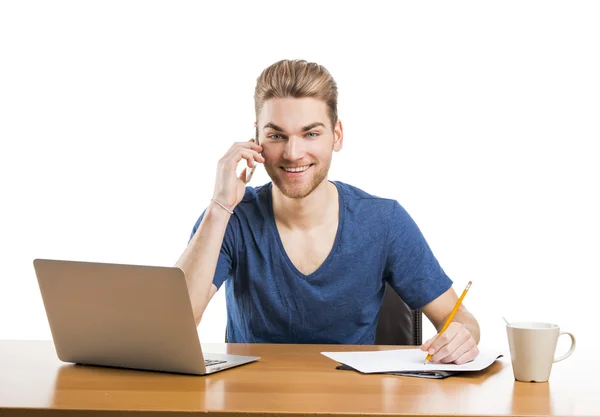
{"points": [[417, 374]]}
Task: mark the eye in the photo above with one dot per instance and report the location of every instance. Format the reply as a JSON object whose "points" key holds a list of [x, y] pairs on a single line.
{"points": [[312, 134], [274, 136]]}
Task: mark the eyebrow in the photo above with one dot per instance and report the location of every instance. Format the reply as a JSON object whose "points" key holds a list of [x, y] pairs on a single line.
{"points": [[304, 129]]}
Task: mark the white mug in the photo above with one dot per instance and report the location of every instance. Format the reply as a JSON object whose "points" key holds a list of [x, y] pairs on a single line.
{"points": [[532, 348]]}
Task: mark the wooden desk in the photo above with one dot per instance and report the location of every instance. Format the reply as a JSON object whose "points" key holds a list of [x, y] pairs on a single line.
{"points": [[289, 379]]}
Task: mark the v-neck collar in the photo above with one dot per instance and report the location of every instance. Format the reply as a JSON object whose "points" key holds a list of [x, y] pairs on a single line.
{"points": [[280, 242]]}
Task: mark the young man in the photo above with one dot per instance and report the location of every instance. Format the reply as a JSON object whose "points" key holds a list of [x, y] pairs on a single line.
{"points": [[307, 259]]}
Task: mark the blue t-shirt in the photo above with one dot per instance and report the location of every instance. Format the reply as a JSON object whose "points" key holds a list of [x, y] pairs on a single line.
{"points": [[270, 301]]}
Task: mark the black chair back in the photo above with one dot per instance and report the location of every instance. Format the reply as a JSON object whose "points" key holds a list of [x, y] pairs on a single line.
{"points": [[397, 324]]}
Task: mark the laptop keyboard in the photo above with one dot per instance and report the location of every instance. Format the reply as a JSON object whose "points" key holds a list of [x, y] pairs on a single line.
{"points": [[211, 362]]}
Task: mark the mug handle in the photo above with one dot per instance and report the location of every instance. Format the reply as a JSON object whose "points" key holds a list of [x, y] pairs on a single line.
{"points": [[571, 350]]}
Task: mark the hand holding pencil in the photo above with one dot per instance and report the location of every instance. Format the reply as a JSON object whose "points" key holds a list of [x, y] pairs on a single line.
{"points": [[454, 342]]}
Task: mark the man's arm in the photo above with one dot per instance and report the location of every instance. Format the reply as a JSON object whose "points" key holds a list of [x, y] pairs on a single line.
{"points": [[459, 341], [199, 260]]}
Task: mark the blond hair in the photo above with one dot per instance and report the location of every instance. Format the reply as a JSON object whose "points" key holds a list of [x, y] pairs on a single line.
{"points": [[297, 79]]}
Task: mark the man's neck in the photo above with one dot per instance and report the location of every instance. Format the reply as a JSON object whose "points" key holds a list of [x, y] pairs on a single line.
{"points": [[314, 210]]}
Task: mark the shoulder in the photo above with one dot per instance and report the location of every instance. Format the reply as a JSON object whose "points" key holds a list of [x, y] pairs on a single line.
{"points": [[253, 195], [255, 206], [357, 199], [255, 199]]}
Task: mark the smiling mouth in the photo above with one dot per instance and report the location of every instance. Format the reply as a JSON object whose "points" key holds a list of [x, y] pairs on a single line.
{"points": [[296, 169]]}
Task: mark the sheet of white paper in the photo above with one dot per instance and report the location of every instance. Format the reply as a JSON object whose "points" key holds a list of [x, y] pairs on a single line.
{"points": [[406, 360]]}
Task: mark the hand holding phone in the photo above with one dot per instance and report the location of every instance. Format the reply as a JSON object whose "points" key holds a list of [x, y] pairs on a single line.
{"points": [[230, 185]]}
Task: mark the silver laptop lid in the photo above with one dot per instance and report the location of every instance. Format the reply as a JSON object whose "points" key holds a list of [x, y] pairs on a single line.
{"points": [[120, 315]]}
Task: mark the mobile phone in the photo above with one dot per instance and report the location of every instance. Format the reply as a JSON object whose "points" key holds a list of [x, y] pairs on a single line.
{"points": [[250, 172]]}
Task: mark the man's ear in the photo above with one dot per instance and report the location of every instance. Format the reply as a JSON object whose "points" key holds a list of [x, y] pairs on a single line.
{"points": [[338, 136]]}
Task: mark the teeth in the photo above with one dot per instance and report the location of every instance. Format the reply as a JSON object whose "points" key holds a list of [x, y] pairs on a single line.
{"points": [[298, 169]]}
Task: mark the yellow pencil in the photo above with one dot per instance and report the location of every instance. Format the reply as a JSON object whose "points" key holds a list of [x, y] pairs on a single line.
{"points": [[451, 316]]}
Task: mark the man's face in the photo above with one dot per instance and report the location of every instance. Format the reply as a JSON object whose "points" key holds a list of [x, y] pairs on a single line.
{"points": [[297, 140]]}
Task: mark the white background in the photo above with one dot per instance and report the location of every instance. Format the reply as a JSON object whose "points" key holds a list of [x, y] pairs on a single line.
{"points": [[481, 119]]}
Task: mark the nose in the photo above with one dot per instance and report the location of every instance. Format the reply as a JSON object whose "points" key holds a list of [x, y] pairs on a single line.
{"points": [[294, 149]]}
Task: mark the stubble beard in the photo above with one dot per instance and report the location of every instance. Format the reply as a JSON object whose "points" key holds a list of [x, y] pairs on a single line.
{"points": [[292, 191]]}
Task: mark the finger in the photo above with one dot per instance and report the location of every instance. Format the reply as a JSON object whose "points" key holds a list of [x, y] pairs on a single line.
{"points": [[254, 144], [444, 354], [453, 329], [242, 175], [250, 157], [255, 156], [460, 350], [443, 339], [233, 154], [251, 144], [468, 356], [232, 159], [444, 345], [425, 346]]}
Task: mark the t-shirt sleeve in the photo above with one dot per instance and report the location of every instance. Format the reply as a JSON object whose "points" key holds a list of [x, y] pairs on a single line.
{"points": [[411, 268], [227, 254]]}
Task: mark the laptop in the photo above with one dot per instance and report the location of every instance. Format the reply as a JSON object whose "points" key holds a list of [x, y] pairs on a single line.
{"points": [[125, 316]]}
